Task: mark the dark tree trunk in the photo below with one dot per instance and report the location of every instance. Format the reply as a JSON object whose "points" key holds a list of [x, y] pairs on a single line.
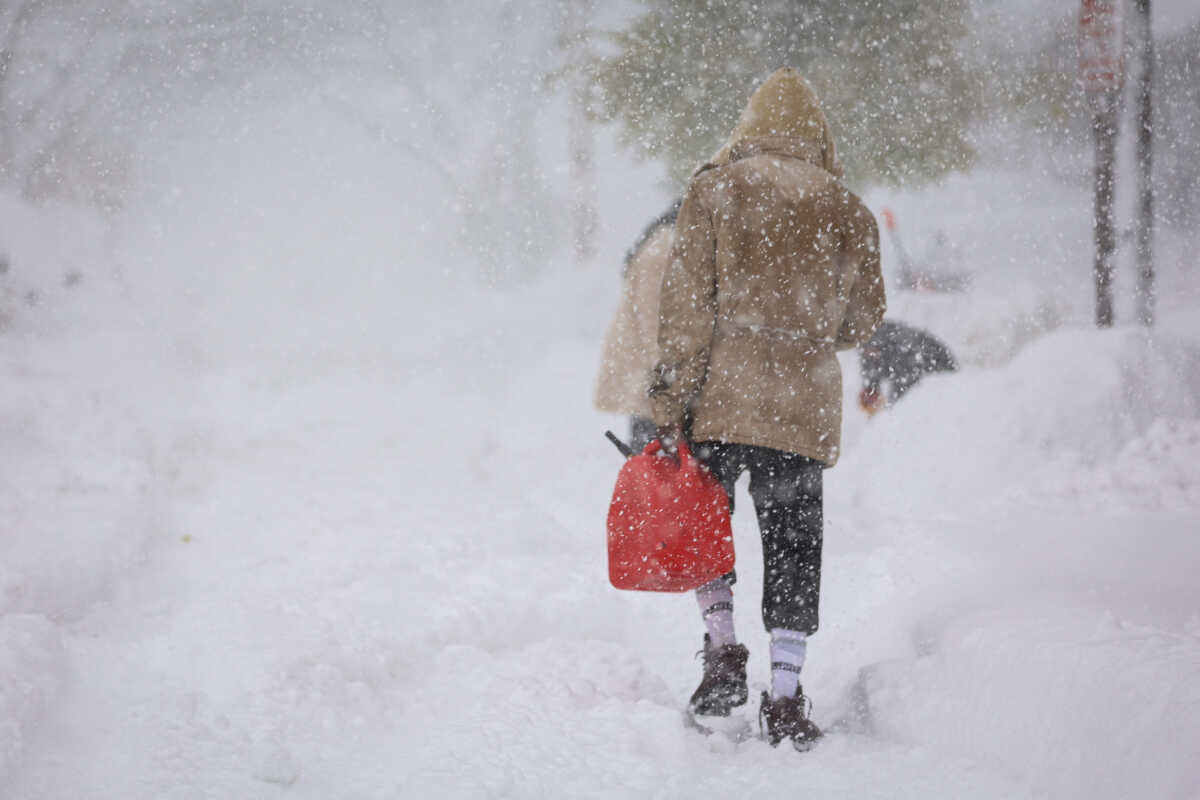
{"points": [[1105, 129], [1145, 157]]}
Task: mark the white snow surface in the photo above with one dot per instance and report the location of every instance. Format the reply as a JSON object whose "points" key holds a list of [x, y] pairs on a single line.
{"points": [[292, 506]]}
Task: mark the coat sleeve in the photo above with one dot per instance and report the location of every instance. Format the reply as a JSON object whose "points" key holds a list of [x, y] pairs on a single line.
{"points": [[687, 313], [867, 301]]}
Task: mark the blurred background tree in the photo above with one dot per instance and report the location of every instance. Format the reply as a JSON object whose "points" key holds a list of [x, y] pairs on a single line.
{"points": [[86, 89], [83, 84], [892, 75]]}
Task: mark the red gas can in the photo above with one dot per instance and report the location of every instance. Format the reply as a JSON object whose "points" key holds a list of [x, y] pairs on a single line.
{"points": [[668, 524]]}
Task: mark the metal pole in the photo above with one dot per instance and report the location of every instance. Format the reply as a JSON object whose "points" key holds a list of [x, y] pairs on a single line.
{"points": [[1105, 129], [1100, 64], [1145, 157]]}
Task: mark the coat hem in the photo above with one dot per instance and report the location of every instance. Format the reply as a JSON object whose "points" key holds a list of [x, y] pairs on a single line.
{"points": [[824, 455]]}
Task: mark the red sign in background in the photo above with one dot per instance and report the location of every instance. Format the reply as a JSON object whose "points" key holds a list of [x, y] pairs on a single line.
{"points": [[1100, 45]]}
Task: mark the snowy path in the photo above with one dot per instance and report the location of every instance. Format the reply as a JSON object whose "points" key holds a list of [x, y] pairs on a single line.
{"points": [[387, 580]]}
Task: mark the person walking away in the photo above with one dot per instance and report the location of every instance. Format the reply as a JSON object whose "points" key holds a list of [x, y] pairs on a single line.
{"points": [[631, 344], [775, 267]]}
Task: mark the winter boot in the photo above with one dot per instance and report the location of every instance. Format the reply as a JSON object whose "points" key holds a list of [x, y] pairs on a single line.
{"points": [[724, 682], [787, 718]]}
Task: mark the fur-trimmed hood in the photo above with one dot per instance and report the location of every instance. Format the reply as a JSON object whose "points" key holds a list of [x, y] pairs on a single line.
{"points": [[783, 115]]}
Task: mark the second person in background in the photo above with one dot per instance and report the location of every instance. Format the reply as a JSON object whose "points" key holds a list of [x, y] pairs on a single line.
{"points": [[631, 344]]}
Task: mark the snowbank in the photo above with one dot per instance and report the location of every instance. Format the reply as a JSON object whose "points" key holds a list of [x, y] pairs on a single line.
{"points": [[31, 671], [1010, 555], [90, 434], [1067, 405]]}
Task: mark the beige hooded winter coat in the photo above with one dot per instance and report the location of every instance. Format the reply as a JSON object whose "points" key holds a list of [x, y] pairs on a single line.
{"points": [[631, 346], [775, 266]]}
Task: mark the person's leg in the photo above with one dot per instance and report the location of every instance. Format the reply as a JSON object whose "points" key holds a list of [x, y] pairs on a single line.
{"points": [[787, 497], [715, 599], [725, 461], [723, 685], [788, 650], [788, 500]]}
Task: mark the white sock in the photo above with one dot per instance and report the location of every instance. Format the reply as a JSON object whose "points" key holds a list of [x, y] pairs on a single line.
{"points": [[716, 607], [787, 659]]}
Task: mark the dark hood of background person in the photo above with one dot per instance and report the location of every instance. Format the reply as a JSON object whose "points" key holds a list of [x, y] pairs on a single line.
{"points": [[895, 359]]}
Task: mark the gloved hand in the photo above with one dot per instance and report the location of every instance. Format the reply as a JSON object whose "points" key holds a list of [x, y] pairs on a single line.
{"points": [[870, 400], [662, 378], [669, 435]]}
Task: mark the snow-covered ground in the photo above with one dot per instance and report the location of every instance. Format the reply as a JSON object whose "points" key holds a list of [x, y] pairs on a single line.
{"points": [[293, 506]]}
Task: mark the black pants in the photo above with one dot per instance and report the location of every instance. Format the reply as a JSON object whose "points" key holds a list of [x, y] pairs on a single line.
{"points": [[786, 489]]}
